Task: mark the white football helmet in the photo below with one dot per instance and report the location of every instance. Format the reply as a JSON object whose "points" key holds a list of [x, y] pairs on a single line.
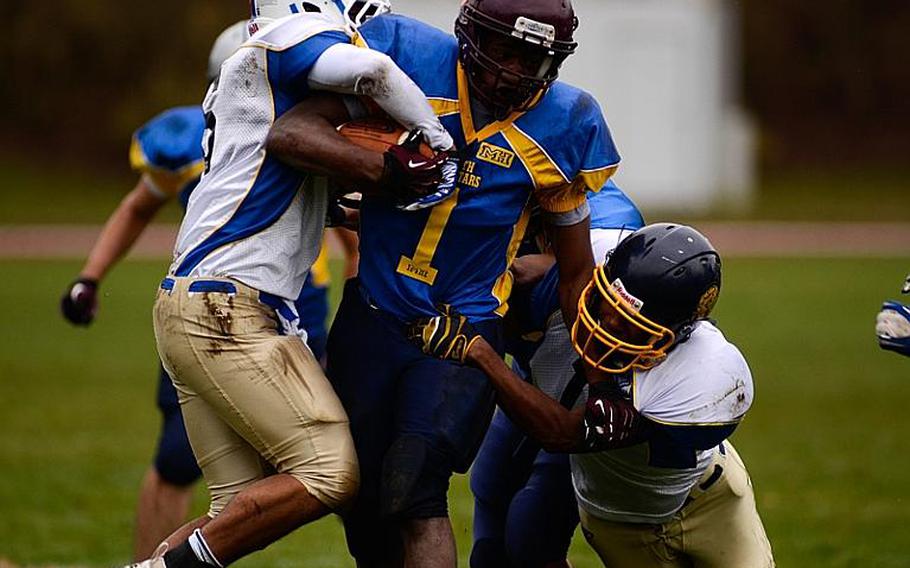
{"points": [[352, 12], [357, 12], [225, 46]]}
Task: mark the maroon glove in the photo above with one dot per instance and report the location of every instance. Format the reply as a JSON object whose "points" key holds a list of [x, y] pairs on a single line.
{"points": [[80, 301], [611, 420], [409, 175]]}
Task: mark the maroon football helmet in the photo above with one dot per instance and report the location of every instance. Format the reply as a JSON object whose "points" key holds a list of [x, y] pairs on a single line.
{"points": [[511, 50]]}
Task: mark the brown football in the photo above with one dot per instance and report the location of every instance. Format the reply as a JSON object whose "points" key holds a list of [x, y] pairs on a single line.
{"points": [[378, 134]]}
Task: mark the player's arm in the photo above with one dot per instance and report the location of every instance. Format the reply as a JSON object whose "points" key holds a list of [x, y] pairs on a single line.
{"points": [[608, 420], [575, 260], [306, 138], [352, 70], [530, 269], [555, 427], [123, 227], [350, 243]]}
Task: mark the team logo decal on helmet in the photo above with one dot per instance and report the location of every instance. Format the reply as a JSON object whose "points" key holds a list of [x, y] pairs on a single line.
{"points": [[495, 34], [646, 298], [706, 303]]}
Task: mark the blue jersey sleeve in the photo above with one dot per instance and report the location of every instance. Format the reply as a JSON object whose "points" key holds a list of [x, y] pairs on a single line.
{"points": [[168, 150], [289, 69], [612, 209], [568, 147]]}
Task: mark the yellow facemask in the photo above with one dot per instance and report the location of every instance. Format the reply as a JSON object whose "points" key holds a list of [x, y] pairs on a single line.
{"points": [[605, 308]]}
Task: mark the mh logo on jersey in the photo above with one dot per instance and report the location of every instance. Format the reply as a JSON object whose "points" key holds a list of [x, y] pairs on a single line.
{"points": [[495, 155]]}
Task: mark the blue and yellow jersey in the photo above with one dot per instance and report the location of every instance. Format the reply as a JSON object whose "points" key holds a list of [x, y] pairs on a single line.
{"points": [[458, 252], [168, 151]]}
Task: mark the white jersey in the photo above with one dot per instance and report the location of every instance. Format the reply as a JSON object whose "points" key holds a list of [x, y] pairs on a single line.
{"points": [[251, 217], [704, 382]]}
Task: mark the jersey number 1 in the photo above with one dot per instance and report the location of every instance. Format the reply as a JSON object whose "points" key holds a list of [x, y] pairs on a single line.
{"points": [[418, 266]]}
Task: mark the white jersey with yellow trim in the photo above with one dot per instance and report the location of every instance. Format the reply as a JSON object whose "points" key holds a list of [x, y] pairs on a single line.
{"points": [[703, 388]]}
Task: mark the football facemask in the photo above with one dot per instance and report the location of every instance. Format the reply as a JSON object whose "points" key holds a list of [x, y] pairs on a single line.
{"points": [[611, 334], [357, 12], [265, 11]]}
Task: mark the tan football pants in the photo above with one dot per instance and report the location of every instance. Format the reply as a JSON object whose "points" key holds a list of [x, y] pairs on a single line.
{"points": [[717, 528], [254, 402]]}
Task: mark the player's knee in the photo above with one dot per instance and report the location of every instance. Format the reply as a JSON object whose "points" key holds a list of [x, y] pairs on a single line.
{"points": [[177, 466], [415, 480], [333, 481]]}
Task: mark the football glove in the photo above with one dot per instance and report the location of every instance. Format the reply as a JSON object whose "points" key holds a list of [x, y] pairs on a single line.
{"points": [[892, 326], [611, 420], [80, 301], [408, 174], [344, 211], [446, 188], [447, 336]]}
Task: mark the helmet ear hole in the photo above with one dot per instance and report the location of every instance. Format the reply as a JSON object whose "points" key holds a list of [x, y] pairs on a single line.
{"points": [[679, 272], [308, 7]]}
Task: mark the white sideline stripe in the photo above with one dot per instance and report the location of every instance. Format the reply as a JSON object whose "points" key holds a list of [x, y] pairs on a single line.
{"points": [[732, 239]]}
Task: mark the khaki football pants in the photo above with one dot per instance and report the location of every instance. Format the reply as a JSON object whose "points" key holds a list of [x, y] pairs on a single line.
{"points": [[254, 402], [719, 527]]}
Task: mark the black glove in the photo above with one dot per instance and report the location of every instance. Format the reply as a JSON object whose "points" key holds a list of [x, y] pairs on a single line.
{"points": [[409, 175], [80, 301], [447, 336], [611, 420]]}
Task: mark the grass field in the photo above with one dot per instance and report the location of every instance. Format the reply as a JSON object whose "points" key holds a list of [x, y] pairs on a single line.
{"points": [[43, 194], [827, 442]]}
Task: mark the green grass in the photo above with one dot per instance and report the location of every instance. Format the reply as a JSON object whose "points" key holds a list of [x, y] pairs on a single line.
{"points": [[33, 194], [827, 442]]}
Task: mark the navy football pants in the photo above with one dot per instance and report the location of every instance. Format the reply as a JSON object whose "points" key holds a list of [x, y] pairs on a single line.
{"points": [[524, 507], [415, 420]]}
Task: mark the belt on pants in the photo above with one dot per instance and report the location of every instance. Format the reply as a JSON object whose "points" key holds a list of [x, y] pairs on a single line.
{"points": [[289, 322]]}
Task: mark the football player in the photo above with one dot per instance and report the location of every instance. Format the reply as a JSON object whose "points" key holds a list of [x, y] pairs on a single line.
{"points": [[892, 325], [268, 432], [523, 137], [657, 481], [525, 511], [167, 152]]}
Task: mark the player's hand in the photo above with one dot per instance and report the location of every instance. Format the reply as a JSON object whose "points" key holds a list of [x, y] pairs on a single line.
{"points": [[80, 301], [408, 174], [446, 336], [445, 189], [611, 421], [344, 212], [892, 327]]}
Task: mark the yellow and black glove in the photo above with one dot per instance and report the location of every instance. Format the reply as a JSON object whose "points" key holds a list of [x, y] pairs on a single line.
{"points": [[446, 336]]}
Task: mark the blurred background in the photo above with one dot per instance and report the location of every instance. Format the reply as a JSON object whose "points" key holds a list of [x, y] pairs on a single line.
{"points": [[782, 129]]}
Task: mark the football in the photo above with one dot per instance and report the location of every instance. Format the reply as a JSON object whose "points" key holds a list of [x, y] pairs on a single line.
{"points": [[378, 134]]}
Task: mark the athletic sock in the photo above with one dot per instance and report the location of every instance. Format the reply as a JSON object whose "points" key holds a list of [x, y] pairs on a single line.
{"points": [[202, 550], [194, 553]]}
